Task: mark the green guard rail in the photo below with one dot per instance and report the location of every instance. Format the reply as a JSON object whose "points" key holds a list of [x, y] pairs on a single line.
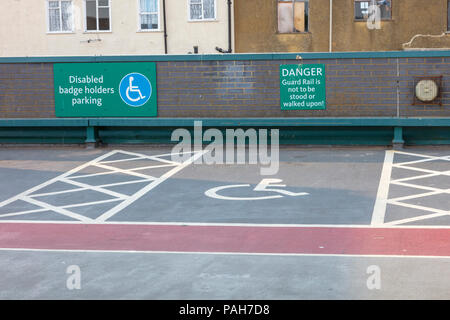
{"points": [[310, 131]]}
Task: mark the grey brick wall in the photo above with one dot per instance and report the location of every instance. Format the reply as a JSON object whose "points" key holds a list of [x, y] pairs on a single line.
{"points": [[418, 67], [355, 88], [26, 91]]}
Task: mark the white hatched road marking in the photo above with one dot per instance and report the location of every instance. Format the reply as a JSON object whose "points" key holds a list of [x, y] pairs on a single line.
{"points": [[30, 195], [378, 215], [382, 200], [379, 210], [149, 187], [87, 188]]}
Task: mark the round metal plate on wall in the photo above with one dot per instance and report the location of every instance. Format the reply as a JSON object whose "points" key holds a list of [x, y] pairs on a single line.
{"points": [[427, 90]]}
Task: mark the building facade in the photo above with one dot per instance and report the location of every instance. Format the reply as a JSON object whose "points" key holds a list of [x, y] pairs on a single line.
{"points": [[112, 27], [340, 25], [152, 27]]}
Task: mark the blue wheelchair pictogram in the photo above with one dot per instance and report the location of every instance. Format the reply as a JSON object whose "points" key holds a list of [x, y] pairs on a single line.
{"points": [[135, 89]]}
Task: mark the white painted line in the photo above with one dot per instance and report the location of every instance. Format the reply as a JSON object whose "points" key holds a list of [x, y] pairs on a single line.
{"points": [[224, 224], [416, 186], [414, 206], [424, 217], [431, 190], [88, 188], [56, 192], [58, 210], [416, 177], [124, 183], [231, 253], [134, 154], [430, 172], [67, 177], [436, 213], [155, 158], [379, 210], [149, 187], [63, 207], [415, 169], [164, 160], [418, 155], [269, 225], [420, 195], [113, 170], [121, 160], [83, 204], [123, 171], [445, 158], [58, 178], [96, 188], [4, 215], [93, 174], [153, 167], [175, 153]]}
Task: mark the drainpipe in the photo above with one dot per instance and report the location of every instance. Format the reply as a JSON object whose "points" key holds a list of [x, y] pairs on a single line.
{"points": [[230, 49], [331, 27], [165, 26]]}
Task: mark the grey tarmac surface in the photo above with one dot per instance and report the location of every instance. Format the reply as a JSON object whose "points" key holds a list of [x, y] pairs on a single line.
{"points": [[157, 276], [342, 184]]}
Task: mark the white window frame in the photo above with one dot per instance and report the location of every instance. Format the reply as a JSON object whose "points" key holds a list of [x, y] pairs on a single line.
{"points": [[47, 17], [97, 6], [202, 19], [139, 18]]}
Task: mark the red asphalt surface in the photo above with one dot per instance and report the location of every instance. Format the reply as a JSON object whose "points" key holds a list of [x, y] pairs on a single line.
{"points": [[227, 239]]}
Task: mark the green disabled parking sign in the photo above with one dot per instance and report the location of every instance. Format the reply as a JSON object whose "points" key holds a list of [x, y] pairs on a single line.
{"points": [[302, 87], [105, 89]]}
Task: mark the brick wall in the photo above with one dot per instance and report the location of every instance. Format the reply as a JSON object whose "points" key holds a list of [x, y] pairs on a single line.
{"points": [[250, 88], [26, 91]]}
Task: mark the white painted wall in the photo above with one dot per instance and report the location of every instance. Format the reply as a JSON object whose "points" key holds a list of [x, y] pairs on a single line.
{"points": [[23, 31]]}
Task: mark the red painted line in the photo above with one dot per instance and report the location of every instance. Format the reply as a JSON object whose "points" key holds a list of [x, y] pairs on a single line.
{"points": [[230, 239]]}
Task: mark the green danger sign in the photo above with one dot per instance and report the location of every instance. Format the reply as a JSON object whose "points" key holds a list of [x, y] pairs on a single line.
{"points": [[105, 89], [302, 87]]}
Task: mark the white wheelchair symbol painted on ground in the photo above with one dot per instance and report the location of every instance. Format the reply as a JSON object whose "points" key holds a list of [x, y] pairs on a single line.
{"points": [[135, 89], [266, 185]]}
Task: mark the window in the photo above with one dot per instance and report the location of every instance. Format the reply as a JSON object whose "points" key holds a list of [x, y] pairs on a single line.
{"points": [[362, 9], [60, 18], [202, 9], [148, 15], [98, 15], [293, 16]]}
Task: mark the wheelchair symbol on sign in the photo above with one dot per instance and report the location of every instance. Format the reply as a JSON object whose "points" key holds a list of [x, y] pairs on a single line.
{"points": [[135, 89], [132, 88], [266, 185]]}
